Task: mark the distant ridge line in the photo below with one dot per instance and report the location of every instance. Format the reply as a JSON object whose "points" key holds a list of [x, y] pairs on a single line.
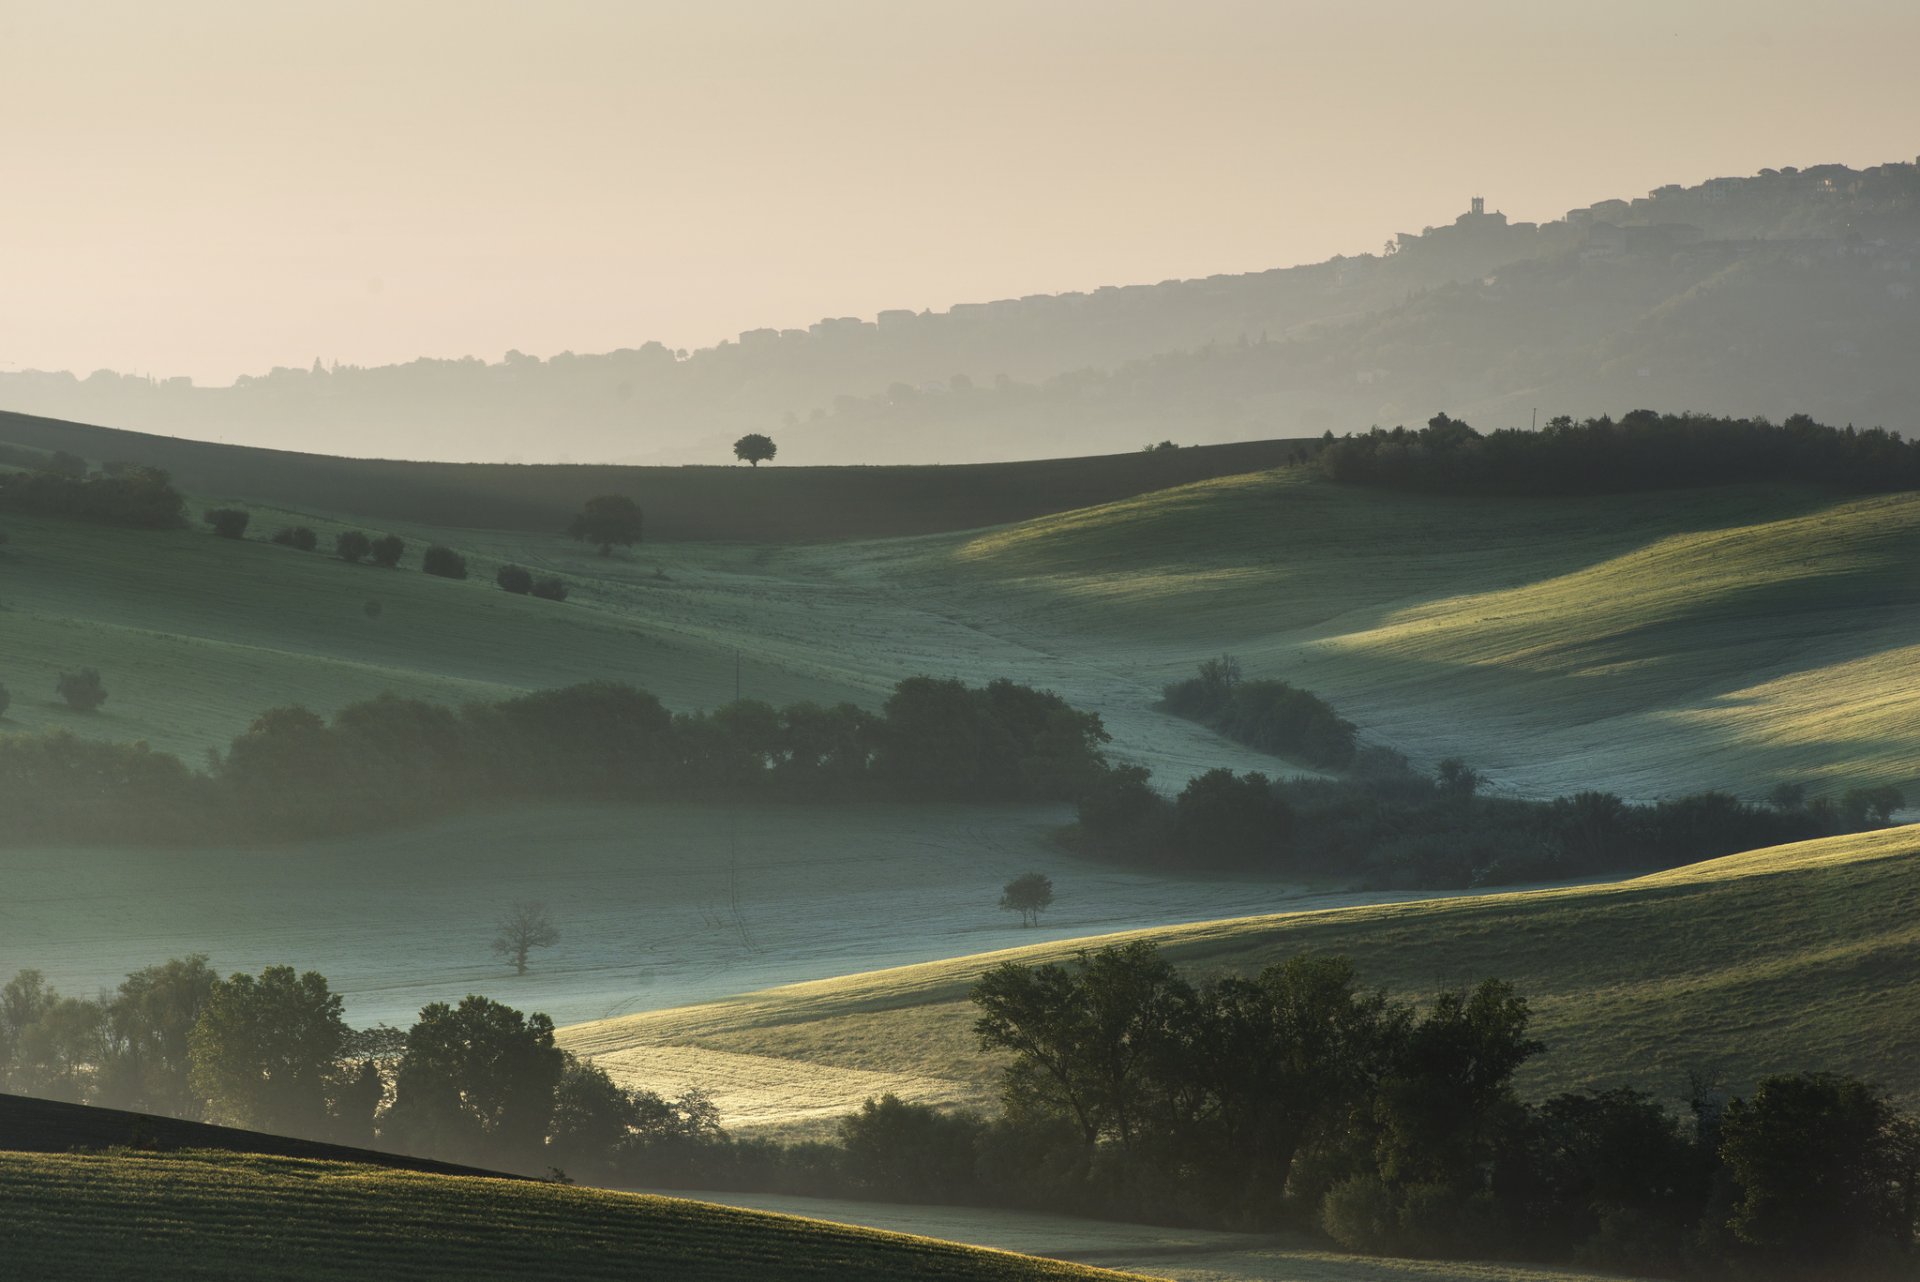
{"points": [[773, 504]]}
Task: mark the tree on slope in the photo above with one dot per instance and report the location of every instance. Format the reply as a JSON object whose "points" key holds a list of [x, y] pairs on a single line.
{"points": [[609, 520], [476, 1083], [525, 927], [263, 1050], [755, 448], [1029, 894]]}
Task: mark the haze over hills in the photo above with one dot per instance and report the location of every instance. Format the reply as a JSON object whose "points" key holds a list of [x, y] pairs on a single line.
{"points": [[1790, 291]]}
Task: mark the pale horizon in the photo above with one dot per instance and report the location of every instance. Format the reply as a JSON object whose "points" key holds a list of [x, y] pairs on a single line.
{"points": [[210, 193]]}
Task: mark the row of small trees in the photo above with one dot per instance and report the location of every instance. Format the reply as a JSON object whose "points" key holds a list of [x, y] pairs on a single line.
{"points": [[356, 547]]}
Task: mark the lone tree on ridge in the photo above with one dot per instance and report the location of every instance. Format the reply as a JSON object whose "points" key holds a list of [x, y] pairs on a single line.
{"points": [[1029, 894], [755, 447], [526, 926], [607, 520]]}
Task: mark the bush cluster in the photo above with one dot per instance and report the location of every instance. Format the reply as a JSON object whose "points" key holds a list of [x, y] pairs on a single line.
{"points": [[142, 497], [1269, 715], [298, 537]]}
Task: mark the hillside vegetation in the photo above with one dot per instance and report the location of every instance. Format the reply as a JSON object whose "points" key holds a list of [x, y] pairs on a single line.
{"points": [[1777, 960], [1645, 643], [721, 503], [220, 1215]]}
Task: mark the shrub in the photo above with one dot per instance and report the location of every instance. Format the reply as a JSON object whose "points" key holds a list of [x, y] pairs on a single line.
{"points": [[444, 562], [514, 579], [1360, 1214], [227, 522], [82, 690], [386, 551], [298, 537], [5, 699], [352, 546], [550, 589]]}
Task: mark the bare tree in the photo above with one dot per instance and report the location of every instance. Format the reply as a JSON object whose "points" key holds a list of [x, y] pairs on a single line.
{"points": [[1029, 894], [526, 926]]}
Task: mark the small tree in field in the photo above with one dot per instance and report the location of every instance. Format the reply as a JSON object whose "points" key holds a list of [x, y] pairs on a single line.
{"points": [[298, 537], [550, 589], [386, 550], [1029, 894], [514, 578], [82, 690], [755, 448], [5, 699], [609, 520], [526, 926], [352, 546], [227, 522]]}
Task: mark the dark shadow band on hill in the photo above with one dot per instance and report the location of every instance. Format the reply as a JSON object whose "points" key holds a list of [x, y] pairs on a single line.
{"points": [[681, 504], [29, 1125]]}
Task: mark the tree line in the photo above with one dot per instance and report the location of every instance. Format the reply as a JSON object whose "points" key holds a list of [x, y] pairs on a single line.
{"points": [[1393, 827], [141, 497], [476, 1082], [1643, 450], [294, 774], [1295, 1098]]}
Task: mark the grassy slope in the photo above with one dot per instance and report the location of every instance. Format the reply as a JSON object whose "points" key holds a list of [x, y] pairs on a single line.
{"points": [[217, 1215], [1647, 643], [1804, 956]]}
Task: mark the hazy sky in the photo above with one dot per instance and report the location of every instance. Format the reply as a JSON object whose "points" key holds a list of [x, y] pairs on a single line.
{"points": [[215, 188]]}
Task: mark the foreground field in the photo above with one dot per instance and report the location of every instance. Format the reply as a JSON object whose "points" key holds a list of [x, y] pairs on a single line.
{"points": [[657, 906], [1183, 1255], [1798, 957], [218, 1215]]}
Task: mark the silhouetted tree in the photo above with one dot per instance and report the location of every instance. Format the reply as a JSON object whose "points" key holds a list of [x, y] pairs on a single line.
{"points": [[609, 520], [148, 1038], [82, 690], [352, 546], [263, 1049], [476, 1083], [444, 562], [549, 589], [228, 522], [1029, 894], [514, 578], [1871, 807], [1824, 1172], [5, 700], [525, 927], [755, 448]]}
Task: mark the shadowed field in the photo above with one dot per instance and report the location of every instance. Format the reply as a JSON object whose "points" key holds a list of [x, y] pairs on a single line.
{"points": [[1796, 957]]}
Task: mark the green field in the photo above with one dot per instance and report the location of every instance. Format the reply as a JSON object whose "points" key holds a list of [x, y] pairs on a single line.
{"points": [[1647, 644], [1798, 957], [219, 1215]]}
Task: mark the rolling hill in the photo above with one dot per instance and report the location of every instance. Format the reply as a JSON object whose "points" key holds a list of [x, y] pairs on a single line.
{"points": [[1777, 960], [1648, 644], [223, 1215], [701, 504]]}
